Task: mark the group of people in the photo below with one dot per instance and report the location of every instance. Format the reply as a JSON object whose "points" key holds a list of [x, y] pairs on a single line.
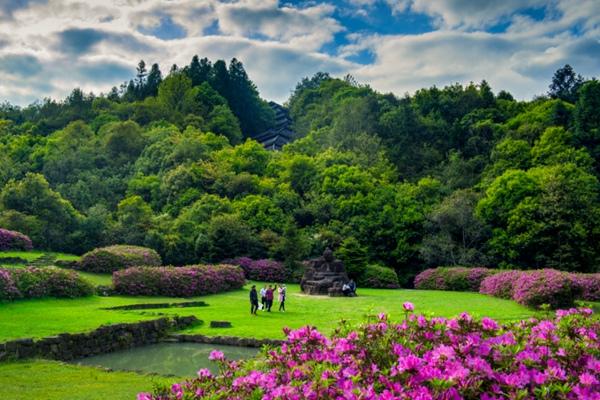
{"points": [[267, 293], [349, 288]]}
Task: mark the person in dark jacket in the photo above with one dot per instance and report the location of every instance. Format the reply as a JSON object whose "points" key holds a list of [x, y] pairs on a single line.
{"points": [[253, 300]]}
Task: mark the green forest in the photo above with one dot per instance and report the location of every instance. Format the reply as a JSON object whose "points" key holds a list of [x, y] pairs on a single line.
{"points": [[460, 175]]}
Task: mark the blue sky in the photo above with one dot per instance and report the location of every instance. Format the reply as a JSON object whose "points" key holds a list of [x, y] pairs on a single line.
{"points": [[48, 47]]}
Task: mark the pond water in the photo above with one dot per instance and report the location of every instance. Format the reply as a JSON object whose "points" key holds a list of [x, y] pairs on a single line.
{"points": [[181, 359]]}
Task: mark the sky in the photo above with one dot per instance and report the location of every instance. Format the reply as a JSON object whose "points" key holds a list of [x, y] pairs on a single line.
{"points": [[49, 47]]}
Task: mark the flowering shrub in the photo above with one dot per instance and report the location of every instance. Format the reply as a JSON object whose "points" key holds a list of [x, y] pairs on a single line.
{"points": [[8, 290], [500, 284], [262, 270], [420, 358], [377, 276], [544, 286], [452, 278], [114, 258], [12, 240], [195, 280], [33, 282], [586, 286]]}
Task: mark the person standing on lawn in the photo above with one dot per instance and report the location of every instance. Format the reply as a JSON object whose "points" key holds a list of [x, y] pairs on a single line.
{"points": [[253, 300], [263, 297], [282, 293], [269, 298]]}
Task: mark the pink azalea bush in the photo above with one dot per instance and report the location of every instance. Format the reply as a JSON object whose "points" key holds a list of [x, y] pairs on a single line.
{"points": [[188, 281], [34, 282], [419, 358], [586, 286], [8, 290], [13, 240], [500, 284], [113, 258], [262, 270], [452, 278], [544, 286]]}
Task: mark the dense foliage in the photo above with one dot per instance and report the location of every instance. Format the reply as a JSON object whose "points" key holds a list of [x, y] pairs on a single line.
{"points": [[34, 282], [378, 276], [531, 288], [188, 281], [113, 258], [262, 270], [420, 358], [12, 240], [448, 176]]}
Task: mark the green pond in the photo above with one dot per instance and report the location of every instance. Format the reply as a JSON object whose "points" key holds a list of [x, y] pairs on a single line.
{"points": [[180, 359]]}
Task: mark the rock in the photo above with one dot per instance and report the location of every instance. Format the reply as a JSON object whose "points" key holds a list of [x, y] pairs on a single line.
{"points": [[324, 276], [220, 324]]}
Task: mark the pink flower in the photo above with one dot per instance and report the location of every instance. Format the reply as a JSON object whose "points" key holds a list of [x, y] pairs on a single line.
{"points": [[204, 373], [408, 306], [216, 355], [488, 324]]}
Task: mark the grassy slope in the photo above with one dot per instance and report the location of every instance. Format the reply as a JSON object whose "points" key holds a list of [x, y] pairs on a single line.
{"points": [[51, 380], [45, 317], [35, 254]]}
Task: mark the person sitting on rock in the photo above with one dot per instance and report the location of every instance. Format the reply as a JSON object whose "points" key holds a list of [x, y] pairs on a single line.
{"points": [[346, 290], [352, 285]]}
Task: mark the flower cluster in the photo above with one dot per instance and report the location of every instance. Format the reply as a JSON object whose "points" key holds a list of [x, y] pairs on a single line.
{"points": [[12, 240], [452, 278], [188, 281], [33, 282], [420, 358], [262, 270], [544, 286], [114, 258]]}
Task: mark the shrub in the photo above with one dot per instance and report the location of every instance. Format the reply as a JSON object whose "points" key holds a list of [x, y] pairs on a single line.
{"points": [[500, 284], [114, 258], [544, 286], [262, 270], [377, 276], [13, 240], [420, 358], [34, 282], [586, 286], [452, 278], [8, 290], [194, 280]]}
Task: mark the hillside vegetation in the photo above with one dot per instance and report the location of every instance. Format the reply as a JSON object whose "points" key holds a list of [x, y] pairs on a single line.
{"points": [[457, 175]]}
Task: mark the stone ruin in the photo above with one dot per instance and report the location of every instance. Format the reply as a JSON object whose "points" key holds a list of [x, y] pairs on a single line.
{"points": [[324, 276]]}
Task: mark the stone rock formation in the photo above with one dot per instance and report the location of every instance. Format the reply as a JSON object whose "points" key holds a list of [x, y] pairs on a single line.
{"points": [[324, 276]]}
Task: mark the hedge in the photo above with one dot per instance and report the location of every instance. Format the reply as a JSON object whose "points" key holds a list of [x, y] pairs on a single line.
{"points": [[13, 240], [377, 276], [114, 258], [188, 281], [34, 282]]}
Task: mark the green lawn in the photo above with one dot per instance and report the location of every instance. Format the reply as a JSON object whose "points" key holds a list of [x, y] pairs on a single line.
{"points": [[51, 380], [97, 279], [35, 254], [45, 317]]}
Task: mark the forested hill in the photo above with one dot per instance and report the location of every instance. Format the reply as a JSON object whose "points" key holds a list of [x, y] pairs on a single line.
{"points": [[459, 175]]}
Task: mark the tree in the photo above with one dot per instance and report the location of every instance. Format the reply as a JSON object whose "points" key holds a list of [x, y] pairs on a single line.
{"points": [[227, 236], [565, 84], [171, 92], [587, 119], [140, 79], [134, 218], [153, 81], [222, 121]]}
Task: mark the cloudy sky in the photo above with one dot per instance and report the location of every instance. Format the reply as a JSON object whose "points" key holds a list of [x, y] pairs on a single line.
{"points": [[48, 47]]}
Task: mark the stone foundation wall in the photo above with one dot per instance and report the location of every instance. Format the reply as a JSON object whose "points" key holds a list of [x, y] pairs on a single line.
{"points": [[227, 340], [69, 346]]}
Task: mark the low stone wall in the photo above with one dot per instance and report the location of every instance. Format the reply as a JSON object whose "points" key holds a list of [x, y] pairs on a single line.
{"points": [[150, 306], [69, 346], [227, 340]]}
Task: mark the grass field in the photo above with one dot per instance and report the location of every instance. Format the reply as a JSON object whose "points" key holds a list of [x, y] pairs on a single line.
{"points": [[51, 380], [45, 317], [35, 254]]}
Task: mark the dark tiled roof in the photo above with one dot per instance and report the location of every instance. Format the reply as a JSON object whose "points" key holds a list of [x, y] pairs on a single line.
{"points": [[281, 133]]}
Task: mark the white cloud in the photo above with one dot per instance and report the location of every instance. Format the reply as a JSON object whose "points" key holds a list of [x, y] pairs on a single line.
{"points": [[48, 47]]}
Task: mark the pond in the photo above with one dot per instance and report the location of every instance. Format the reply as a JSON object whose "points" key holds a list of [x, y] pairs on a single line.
{"points": [[180, 359]]}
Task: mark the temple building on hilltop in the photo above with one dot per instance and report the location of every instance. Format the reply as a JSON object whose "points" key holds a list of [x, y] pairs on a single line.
{"points": [[281, 133]]}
